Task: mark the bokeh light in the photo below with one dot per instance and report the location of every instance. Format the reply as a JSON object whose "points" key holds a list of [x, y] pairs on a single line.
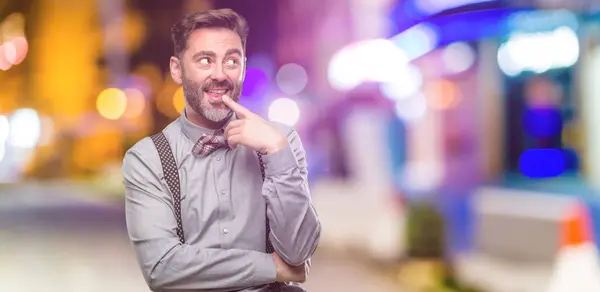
{"points": [[13, 43], [417, 40], [458, 57], [376, 60], [539, 52], [4, 134], [111, 103], [442, 94], [256, 83], [179, 100], [10, 52], [542, 163], [412, 108], [284, 110], [136, 102], [4, 129], [5, 64], [291, 78], [405, 84], [21, 49], [25, 128]]}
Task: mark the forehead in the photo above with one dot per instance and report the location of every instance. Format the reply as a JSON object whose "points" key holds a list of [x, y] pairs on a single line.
{"points": [[217, 40]]}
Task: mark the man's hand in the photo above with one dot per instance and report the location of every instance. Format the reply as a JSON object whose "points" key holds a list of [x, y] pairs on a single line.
{"points": [[252, 131], [287, 273]]}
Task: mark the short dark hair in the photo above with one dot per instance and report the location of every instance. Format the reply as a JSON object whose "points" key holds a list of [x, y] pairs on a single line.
{"points": [[218, 18]]}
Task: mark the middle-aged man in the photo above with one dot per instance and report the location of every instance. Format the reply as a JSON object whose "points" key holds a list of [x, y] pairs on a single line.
{"points": [[204, 218]]}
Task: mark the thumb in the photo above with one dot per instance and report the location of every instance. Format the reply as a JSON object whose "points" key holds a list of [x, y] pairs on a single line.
{"points": [[238, 109]]}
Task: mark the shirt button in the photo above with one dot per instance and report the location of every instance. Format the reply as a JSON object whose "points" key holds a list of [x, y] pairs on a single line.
{"points": [[222, 192], [225, 230], [218, 158]]}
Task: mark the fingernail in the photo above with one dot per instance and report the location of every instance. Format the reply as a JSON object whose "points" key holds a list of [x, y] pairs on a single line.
{"points": [[225, 97]]}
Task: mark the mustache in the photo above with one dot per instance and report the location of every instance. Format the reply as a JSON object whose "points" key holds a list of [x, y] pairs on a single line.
{"points": [[218, 84]]}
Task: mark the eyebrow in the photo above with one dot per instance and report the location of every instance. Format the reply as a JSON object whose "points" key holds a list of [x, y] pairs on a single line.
{"points": [[214, 55], [233, 52], [204, 54]]}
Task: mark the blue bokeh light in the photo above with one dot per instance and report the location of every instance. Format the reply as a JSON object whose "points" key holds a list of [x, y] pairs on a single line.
{"points": [[542, 163]]}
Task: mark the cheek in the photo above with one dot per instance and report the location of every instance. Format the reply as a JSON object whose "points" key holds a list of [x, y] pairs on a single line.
{"points": [[197, 74], [235, 76]]}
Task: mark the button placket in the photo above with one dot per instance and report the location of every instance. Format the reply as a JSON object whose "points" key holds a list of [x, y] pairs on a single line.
{"points": [[221, 168]]}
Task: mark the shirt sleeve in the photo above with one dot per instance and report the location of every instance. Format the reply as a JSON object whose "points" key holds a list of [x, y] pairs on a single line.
{"points": [[295, 226], [167, 264]]}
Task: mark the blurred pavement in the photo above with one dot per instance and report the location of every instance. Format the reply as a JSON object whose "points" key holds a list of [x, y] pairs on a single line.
{"points": [[52, 239]]}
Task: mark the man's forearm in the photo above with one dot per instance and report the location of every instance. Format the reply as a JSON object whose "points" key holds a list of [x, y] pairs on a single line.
{"points": [[186, 267], [295, 227]]}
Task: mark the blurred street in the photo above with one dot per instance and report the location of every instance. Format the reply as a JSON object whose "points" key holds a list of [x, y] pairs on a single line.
{"points": [[51, 239]]}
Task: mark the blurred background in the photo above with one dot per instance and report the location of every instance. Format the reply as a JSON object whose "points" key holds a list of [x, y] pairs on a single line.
{"points": [[451, 143]]}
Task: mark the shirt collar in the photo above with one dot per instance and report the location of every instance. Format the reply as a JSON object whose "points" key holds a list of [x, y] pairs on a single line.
{"points": [[194, 132]]}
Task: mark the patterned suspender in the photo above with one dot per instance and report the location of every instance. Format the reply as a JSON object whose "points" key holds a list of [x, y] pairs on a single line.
{"points": [[171, 174]]}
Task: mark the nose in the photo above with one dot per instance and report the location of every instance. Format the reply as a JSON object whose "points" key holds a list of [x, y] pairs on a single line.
{"points": [[218, 74]]}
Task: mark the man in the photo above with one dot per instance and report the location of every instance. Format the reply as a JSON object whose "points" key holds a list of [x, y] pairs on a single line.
{"points": [[230, 217]]}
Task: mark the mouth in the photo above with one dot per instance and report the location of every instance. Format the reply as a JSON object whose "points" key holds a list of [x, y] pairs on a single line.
{"points": [[216, 93]]}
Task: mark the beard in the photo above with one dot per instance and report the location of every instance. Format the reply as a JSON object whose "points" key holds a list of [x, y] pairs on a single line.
{"points": [[195, 97]]}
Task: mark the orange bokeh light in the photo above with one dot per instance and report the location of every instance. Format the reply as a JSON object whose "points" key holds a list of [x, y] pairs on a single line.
{"points": [[442, 94]]}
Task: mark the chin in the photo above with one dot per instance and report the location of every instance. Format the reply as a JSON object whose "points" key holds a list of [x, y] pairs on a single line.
{"points": [[215, 114]]}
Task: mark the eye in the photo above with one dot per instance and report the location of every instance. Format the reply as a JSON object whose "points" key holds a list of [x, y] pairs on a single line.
{"points": [[204, 61], [230, 62]]}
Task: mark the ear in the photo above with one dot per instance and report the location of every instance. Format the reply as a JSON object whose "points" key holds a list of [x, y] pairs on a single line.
{"points": [[175, 67]]}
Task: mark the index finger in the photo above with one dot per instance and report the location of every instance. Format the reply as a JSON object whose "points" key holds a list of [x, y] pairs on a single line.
{"points": [[240, 111]]}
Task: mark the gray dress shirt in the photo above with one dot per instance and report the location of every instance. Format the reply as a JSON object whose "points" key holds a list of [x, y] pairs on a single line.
{"points": [[223, 213]]}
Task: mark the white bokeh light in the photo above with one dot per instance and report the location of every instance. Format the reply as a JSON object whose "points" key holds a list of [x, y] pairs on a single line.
{"points": [[4, 129], [377, 60], [342, 74], [539, 52], [4, 132], [412, 108], [386, 61], [458, 57], [406, 83], [506, 63], [25, 128], [291, 78], [284, 110]]}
